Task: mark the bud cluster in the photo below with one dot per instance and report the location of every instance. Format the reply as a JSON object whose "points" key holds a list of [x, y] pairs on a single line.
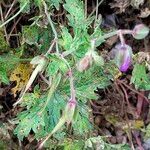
{"points": [[122, 53]]}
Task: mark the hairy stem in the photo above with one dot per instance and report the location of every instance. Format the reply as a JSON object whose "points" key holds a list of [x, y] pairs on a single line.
{"points": [[52, 25], [52, 89], [72, 90]]}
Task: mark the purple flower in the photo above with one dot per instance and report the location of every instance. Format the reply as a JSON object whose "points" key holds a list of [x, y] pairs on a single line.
{"points": [[122, 55], [124, 67]]}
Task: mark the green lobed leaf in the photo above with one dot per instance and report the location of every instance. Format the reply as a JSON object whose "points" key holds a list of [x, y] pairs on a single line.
{"points": [[82, 124], [27, 7], [66, 38], [147, 132], [55, 64], [7, 63], [3, 75], [140, 78], [56, 3]]}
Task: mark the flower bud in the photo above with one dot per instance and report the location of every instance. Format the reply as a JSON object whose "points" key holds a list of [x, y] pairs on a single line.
{"points": [[140, 31], [70, 110], [84, 63], [122, 56]]}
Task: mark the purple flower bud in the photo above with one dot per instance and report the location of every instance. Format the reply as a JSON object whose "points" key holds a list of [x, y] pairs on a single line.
{"points": [[72, 104], [140, 31], [70, 110], [122, 55], [84, 63]]}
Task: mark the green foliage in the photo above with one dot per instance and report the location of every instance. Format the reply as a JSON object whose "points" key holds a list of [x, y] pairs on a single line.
{"points": [[30, 34], [140, 78], [7, 63], [85, 82], [44, 108], [38, 36], [37, 3], [99, 143], [147, 132], [67, 39], [35, 119], [27, 7], [55, 64], [56, 3], [72, 144], [3, 75], [76, 20], [3, 44], [82, 124]]}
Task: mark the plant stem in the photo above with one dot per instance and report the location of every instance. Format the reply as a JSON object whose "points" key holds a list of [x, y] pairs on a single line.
{"points": [[52, 25], [52, 89], [85, 12], [122, 40], [50, 48], [15, 23], [7, 21], [95, 8], [108, 35], [10, 9], [96, 16], [2, 18], [72, 90]]}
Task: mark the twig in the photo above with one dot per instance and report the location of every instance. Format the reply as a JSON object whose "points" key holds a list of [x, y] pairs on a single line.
{"points": [[133, 90], [44, 79], [18, 41], [12, 35], [10, 9], [94, 105], [95, 8], [125, 93], [121, 93], [5, 5], [7, 40], [15, 23], [137, 140], [58, 15], [96, 15], [14, 16], [139, 104]]}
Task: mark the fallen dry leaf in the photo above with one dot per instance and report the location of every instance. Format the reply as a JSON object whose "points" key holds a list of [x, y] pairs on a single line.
{"points": [[121, 5], [21, 76], [145, 13], [137, 3]]}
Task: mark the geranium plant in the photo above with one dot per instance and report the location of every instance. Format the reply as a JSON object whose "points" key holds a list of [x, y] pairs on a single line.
{"points": [[71, 68]]}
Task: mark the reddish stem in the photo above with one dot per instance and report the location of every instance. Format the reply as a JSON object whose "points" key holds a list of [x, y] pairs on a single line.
{"points": [[140, 102]]}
